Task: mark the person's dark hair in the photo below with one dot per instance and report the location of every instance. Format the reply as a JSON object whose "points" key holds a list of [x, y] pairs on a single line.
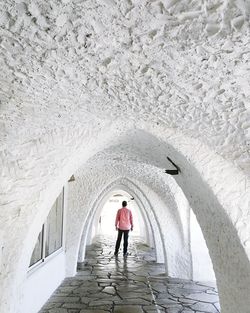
{"points": [[124, 203]]}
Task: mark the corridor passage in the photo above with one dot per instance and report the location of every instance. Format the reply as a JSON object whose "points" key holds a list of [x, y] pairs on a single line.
{"points": [[134, 284]]}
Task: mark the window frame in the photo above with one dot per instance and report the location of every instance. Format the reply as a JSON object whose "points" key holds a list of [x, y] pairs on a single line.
{"points": [[45, 258], [42, 248]]}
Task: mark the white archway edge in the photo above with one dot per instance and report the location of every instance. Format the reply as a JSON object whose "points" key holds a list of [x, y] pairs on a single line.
{"points": [[175, 249], [139, 218], [153, 231]]}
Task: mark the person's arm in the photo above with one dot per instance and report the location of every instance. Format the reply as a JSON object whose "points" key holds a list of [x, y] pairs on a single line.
{"points": [[131, 220], [117, 219]]}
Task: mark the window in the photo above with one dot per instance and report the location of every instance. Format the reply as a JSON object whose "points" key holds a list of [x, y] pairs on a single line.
{"points": [[54, 225], [38, 250], [50, 238]]}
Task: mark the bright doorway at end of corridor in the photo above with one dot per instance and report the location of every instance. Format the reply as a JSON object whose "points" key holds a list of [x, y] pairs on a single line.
{"points": [[104, 221]]}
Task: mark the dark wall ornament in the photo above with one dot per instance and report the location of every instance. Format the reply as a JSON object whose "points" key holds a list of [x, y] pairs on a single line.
{"points": [[176, 171]]}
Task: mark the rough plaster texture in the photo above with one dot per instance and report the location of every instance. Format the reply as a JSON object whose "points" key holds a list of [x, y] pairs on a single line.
{"points": [[184, 64], [41, 283], [78, 77], [202, 264]]}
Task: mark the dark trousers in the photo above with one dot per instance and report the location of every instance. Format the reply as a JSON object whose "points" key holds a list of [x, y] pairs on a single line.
{"points": [[125, 241]]}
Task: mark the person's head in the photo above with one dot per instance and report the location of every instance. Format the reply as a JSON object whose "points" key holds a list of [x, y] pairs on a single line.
{"points": [[124, 204]]}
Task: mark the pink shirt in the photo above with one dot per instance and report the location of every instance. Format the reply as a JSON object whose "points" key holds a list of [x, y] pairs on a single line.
{"points": [[124, 219]]}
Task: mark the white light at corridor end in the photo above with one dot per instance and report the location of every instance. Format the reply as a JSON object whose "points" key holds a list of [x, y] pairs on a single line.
{"points": [[106, 222]]}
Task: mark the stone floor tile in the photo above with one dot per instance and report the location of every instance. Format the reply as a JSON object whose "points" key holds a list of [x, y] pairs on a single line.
{"points": [[93, 311], [58, 310], [204, 307], [122, 286], [101, 304], [135, 284], [166, 301], [175, 310], [128, 309], [51, 305], [203, 297], [105, 280], [64, 299], [142, 279], [159, 287], [135, 294], [110, 290], [153, 309], [134, 301], [164, 295], [185, 301], [75, 306]]}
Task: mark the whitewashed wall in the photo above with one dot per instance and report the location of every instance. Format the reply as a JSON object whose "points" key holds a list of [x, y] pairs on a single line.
{"points": [[41, 282], [202, 264]]}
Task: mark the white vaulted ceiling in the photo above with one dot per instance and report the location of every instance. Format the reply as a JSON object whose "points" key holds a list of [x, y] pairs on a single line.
{"points": [[180, 64], [107, 90]]}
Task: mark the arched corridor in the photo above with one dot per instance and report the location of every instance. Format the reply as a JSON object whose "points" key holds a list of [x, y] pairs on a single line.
{"points": [[165, 203], [145, 98], [104, 219]]}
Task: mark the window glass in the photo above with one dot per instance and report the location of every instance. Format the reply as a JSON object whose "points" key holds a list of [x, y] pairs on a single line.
{"points": [[51, 236], [54, 227], [38, 250]]}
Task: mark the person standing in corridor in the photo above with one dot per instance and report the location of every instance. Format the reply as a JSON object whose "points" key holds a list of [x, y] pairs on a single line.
{"points": [[123, 223]]}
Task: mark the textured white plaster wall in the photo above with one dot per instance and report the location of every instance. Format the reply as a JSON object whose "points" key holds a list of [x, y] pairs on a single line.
{"points": [[30, 182], [202, 264], [184, 64], [41, 283], [218, 213]]}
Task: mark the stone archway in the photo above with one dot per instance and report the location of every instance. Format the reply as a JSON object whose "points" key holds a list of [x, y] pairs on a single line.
{"points": [[146, 211], [211, 204], [105, 216]]}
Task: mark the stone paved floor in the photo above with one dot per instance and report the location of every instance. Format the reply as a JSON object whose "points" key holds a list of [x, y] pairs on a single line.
{"points": [[134, 284]]}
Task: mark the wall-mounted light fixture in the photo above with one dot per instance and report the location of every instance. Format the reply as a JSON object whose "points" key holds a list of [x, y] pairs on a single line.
{"points": [[175, 171], [72, 178]]}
